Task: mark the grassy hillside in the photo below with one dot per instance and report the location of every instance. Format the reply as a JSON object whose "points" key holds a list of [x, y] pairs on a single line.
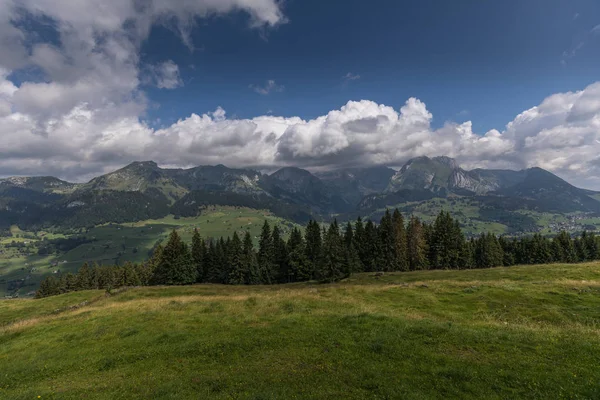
{"points": [[118, 243], [523, 332]]}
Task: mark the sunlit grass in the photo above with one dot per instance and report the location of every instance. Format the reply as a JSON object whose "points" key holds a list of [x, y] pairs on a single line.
{"points": [[522, 332]]}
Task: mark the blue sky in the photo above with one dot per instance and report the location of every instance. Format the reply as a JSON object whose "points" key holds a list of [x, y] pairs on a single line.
{"points": [[87, 87], [480, 60]]}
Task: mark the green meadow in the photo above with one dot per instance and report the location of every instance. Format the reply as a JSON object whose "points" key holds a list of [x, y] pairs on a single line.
{"points": [[530, 332]]}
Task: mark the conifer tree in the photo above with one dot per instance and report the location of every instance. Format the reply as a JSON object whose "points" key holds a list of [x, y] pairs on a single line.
{"points": [[211, 263], [400, 241], [507, 250], [266, 255], [198, 255], [541, 249], [300, 267], [84, 278], [175, 266], [570, 255], [50, 286], [446, 242], [331, 266], [68, 282], [360, 240], [351, 258], [221, 264], [417, 245], [313, 248], [130, 275], [373, 254], [250, 261], [237, 268], [591, 246], [387, 240], [488, 252], [558, 253], [94, 276], [295, 239], [280, 256]]}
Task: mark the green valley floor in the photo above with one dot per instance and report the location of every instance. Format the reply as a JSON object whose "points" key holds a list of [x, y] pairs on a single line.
{"points": [[506, 333]]}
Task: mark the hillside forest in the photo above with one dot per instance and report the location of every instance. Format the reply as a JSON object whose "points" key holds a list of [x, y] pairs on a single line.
{"points": [[326, 254]]}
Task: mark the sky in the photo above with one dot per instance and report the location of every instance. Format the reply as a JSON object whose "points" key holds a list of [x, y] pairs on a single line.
{"points": [[87, 87]]}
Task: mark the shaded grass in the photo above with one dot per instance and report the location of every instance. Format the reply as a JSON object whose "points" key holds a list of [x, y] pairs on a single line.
{"points": [[523, 332]]}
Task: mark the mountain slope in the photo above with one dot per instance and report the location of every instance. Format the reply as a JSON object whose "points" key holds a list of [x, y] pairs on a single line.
{"points": [[356, 183], [298, 186], [289, 192], [138, 177], [550, 192]]}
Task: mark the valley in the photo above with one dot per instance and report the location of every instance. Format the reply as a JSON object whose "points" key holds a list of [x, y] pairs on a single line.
{"points": [[22, 267]]}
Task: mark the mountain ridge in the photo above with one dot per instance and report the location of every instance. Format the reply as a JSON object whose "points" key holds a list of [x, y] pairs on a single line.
{"points": [[291, 190]]}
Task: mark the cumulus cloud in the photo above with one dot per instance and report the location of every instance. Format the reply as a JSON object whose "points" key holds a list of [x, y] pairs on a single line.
{"points": [[82, 117], [269, 87]]}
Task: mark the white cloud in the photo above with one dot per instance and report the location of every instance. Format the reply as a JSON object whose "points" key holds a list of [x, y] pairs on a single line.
{"points": [[351, 77], [269, 87], [561, 134], [83, 117], [166, 75]]}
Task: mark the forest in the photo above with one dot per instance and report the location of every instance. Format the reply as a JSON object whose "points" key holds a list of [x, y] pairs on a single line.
{"points": [[326, 254]]}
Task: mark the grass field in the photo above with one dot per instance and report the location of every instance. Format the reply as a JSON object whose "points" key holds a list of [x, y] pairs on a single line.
{"points": [[506, 333], [118, 243]]}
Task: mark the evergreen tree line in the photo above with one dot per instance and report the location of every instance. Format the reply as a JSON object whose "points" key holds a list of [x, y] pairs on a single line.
{"points": [[327, 255]]}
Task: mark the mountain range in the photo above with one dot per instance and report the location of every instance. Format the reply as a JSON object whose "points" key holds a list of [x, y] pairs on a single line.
{"points": [[143, 190]]}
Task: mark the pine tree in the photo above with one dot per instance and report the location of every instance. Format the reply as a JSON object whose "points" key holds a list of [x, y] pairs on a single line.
{"points": [[94, 276], [558, 253], [295, 239], [68, 282], [84, 278], [387, 240], [541, 249], [373, 252], [221, 264], [570, 255], [280, 256], [50, 286], [313, 248], [237, 268], [360, 240], [467, 255], [331, 267], [130, 275], [508, 251], [351, 257], [488, 252], [266, 255], [250, 261], [198, 254], [300, 267], [446, 244], [417, 245], [400, 241], [175, 266], [591, 246], [211, 263]]}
